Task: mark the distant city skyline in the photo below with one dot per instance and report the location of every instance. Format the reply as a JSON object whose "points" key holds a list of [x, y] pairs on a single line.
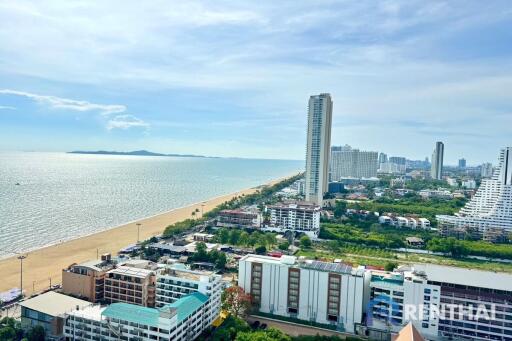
{"points": [[230, 78]]}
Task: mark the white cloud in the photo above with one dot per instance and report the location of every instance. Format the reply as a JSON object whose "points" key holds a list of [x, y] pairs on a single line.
{"points": [[7, 107], [69, 104], [126, 121]]}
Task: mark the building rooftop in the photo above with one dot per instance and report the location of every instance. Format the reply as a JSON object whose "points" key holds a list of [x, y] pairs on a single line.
{"points": [[92, 312], [182, 272], [461, 276], [130, 271], [54, 304], [185, 306], [408, 333], [341, 268]]}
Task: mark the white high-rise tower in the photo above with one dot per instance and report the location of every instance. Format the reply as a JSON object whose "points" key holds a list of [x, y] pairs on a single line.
{"points": [[318, 147], [436, 172], [491, 206]]}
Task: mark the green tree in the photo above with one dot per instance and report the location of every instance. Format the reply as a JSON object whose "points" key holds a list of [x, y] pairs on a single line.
{"points": [[223, 236], [234, 237], [260, 250], [244, 238], [220, 262], [284, 246], [390, 266], [340, 209], [37, 333], [305, 242], [7, 333]]}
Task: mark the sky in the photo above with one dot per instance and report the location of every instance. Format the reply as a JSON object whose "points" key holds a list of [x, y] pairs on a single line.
{"points": [[233, 78]]}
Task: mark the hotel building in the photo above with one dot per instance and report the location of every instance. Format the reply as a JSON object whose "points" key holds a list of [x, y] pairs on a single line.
{"points": [[86, 280], [327, 294], [130, 285], [318, 147], [301, 217], [491, 206], [185, 319], [238, 218], [173, 283]]}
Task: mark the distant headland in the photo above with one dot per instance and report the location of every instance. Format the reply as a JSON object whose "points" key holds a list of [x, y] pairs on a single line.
{"points": [[135, 152]]}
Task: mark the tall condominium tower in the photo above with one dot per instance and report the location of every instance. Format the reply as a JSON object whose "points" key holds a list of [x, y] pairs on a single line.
{"points": [[354, 163], [491, 206], [462, 163], [383, 157], [318, 147], [437, 161]]}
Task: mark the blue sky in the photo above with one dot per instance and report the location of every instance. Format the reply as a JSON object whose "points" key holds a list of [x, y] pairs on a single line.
{"points": [[232, 78]]}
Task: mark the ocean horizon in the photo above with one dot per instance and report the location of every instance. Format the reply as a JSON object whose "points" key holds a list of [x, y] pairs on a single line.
{"points": [[48, 198]]}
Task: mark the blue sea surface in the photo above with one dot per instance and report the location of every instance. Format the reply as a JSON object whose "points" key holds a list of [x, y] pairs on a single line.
{"points": [[64, 196]]}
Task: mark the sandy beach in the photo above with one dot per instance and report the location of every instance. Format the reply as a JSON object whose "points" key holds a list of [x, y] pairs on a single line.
{"points": [[45, 264]]}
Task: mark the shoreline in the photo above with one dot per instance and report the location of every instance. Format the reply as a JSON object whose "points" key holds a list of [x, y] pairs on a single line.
{"points": [[45, 264]]}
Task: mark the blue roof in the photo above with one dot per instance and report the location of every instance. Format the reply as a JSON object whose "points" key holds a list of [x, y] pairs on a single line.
{"points": [[185, 306], [188, 304]]}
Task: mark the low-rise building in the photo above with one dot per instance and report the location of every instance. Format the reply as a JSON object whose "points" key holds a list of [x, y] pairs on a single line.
{"points": [[239, 218], [48, 311], [329, 294], [130, 285], [300, 217], [412, 222], [86, 280], [185, 319]]}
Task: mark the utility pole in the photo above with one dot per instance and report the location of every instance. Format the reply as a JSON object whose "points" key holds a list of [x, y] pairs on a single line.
{"points": [[202, 206], [50, 282], [21, 258], [138, 231]]}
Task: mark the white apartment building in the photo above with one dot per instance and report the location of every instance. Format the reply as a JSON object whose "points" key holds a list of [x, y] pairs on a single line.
{"points": [[436, 172], [297, 217], [391, 168], [491, 206], [312, 291], [405, 222], [348, 162], [486, 170], [175, 282], [318, 147], [182, 320], [391, 293], [472, 289], [469, 184]]}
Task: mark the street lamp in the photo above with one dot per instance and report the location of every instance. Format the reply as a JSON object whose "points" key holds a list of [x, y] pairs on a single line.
{"points": [[21, 258], [138, 231]]}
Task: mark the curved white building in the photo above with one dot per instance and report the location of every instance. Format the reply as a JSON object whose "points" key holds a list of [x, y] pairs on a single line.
{"points": [[492, 204]]}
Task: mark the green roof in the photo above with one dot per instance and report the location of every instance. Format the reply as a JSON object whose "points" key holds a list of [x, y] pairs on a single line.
{"points": [[185, 306], [188, 304], [132, 313]]}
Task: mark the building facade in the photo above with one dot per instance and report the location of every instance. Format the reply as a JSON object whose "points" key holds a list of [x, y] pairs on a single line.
{"points": [[86, 280], [462, 163], [238, 218], [486, 170], [318, 147], [182, 320], [173, 283], [323, 293], [130, 285], [436, 171], [300, 217], [348, 162], [491, 206]]}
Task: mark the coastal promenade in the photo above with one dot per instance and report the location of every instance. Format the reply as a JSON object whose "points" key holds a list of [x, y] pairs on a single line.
{"points": [[44, 265]]}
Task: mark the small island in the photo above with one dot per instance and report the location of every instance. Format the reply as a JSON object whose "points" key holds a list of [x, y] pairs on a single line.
{"points": [[135, 152]]}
